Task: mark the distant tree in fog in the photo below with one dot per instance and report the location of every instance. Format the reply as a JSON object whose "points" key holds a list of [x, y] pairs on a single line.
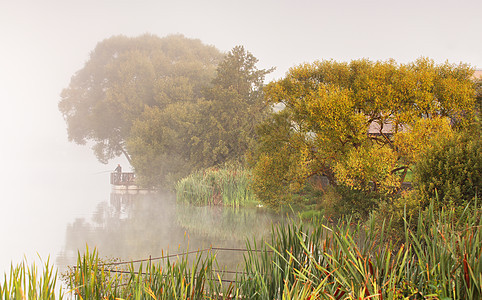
{"points": [[124, 77], [234, 107], [168, 144]]}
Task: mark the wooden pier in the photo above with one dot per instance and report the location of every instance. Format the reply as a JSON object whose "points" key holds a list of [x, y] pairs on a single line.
{"points": [[125, 183], [122, 179]]}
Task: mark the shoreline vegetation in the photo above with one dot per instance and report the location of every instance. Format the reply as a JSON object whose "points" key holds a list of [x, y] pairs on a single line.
{"points": [[228, 186], [436, 256]]}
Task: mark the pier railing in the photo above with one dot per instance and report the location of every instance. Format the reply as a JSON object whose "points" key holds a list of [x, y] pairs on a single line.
{"points": [[126, 178]]}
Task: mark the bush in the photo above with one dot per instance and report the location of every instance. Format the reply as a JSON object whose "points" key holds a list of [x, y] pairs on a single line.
{"points": [[358, 203], [451, 170], [334, 202]]}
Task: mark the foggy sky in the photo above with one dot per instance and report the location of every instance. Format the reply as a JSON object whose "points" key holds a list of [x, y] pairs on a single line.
{"points": [[43, 43]]}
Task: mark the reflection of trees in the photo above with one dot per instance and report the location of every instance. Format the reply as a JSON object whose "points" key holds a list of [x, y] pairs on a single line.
{"points": [[130, 226], [137, 226], [226, 223], [228, 227]]}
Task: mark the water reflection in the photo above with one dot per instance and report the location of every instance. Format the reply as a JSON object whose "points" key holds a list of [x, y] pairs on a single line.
{"points": [[133, 226], [224, 223]]}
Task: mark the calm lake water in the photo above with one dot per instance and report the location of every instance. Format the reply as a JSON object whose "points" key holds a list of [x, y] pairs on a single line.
{"points": [[139, 226], [43, 220]]}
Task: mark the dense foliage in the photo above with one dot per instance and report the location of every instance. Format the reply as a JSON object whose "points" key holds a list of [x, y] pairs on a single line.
{"points": [[168, 144], [361, 124], [451, 170], [234, 107], [170, 105]]}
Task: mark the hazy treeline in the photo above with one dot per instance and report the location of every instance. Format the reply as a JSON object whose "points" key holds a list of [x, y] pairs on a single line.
{"points": [[174, 106]]}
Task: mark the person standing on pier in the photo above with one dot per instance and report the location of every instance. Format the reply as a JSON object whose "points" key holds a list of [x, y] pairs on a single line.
{"points": [[118, 171]]}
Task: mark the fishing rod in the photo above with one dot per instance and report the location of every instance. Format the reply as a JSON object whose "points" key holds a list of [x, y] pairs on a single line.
{"points": [[110, 171]]}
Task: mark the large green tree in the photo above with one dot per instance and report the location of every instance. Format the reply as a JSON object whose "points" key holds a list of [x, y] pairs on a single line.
{"points": [[125, 76], [360, 124], [169, 144], [234, 107]]}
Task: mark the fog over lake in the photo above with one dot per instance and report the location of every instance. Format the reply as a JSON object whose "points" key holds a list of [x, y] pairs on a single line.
{"points": [[41, 196], [55, 206], [64, 207]]}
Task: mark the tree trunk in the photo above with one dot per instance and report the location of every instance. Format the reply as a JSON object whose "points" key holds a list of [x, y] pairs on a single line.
{"points": [[126, 155]]}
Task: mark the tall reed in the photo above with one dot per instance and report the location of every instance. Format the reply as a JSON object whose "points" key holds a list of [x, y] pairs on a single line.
{"points": [[228, 186], [440, 259], [182, 278], [25, 282]]}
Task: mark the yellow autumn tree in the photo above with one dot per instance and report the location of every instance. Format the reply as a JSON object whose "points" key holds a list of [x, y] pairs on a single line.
{"points": [[361, 124]]}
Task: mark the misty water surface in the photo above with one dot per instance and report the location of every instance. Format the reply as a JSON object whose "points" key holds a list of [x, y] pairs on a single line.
{"points": [[55, 210], [137, 226]]}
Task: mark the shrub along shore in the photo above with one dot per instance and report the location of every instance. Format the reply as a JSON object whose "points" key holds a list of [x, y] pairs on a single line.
{"points": [[436, 257]]}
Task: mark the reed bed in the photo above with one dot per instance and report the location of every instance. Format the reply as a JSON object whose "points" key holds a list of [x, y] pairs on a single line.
{"points": [[178, 278], [229, 186], [439, 258], [26, 282]]}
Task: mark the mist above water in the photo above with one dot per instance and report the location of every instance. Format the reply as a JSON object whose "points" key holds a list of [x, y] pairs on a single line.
{"points": [[55, 206], [139, 226]]}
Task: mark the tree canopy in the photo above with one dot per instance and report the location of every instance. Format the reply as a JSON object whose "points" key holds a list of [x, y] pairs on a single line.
{"points": [[125, 76], [357, 123], [167, 144], [234, 107]]}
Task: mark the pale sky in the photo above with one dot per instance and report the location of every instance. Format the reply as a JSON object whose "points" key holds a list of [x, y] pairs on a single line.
{"points": [[43, 43]]}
